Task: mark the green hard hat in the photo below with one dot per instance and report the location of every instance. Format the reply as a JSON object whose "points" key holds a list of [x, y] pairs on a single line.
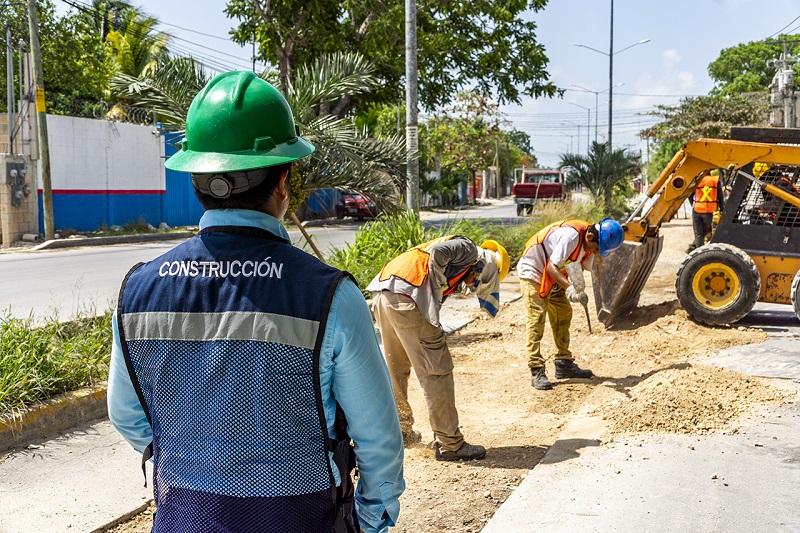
{"points": [[238, 122]]}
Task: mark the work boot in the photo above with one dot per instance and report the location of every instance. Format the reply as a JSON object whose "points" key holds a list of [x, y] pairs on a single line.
{"points": [[539, 379], [568, 369], [466, 452]]}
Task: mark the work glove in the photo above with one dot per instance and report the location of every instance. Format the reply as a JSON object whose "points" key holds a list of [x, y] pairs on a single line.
{"points": [[715, 217], [574, 296]]}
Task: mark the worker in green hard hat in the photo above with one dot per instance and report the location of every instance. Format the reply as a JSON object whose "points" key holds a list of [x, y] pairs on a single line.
{"points": [[239, 362]]}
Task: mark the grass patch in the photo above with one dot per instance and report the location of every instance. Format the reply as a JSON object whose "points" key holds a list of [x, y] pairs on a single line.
{"points": [[39, 361], [379, 241]]}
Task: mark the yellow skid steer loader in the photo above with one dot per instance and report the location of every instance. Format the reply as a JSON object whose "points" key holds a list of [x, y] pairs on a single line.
{"points": [[754, 253]]}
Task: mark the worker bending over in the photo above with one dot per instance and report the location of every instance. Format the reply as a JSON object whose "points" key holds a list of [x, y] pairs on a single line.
{"points": [[407, 296], [547, 291]]}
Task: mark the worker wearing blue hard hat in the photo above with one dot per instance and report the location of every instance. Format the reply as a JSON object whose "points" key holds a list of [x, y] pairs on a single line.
{"points": [[547, 290]]}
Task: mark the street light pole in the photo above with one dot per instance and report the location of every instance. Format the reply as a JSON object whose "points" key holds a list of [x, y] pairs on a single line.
{"points": [[610, 54], [610, 74], [596, 101], [588, 122], [579, 136]]}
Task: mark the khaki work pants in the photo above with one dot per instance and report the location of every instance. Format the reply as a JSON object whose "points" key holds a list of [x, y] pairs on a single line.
{"points": [[557, 308], [411, 341]]}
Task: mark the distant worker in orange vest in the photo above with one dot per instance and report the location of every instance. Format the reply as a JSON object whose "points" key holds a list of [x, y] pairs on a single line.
{"points": [[407, 296], [547, 291], [706, 200]]}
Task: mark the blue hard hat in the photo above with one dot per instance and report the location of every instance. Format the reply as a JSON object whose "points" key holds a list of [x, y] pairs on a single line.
{"points": [[611, 236]]}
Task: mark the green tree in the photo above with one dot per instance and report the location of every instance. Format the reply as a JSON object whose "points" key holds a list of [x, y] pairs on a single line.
{"points": [[136, 48], [521, 140], [345, 158], [749, 67], [604, 171], [705, 116], [105, 16], [76, 72], [485, 45], [464, 139], [701, 116]]}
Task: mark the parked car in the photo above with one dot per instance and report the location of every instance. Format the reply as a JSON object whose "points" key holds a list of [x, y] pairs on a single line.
{"points": [[353, 204]]}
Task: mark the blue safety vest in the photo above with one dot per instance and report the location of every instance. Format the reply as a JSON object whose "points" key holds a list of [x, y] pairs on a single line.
{"points": [[221, 337]]}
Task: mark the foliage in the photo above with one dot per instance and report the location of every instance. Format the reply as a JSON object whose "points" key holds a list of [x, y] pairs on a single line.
{"points": [[600, 170], [75, 67], [40, 361], [105, 16], [168, 89], [465, 137], [379, 241], [345, 157], [705, 116], [661, 158], [136, 48], [748, 67], [486, 45], [521, 140]]}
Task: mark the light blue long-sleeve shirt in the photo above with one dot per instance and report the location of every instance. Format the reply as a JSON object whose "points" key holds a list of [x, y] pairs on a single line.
{"points": [[352, 372]]}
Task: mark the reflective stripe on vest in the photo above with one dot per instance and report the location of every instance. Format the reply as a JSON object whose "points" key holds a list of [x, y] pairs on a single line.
{"points": [[412, 266], [538, 240], [705, 195], [226, 364]]}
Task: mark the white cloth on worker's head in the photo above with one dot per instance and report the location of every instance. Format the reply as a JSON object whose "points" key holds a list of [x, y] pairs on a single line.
{"points": [[557, 247], [488, 291]]}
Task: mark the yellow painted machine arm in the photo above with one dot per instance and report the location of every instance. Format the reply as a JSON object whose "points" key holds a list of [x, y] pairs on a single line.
{"points": [[679, 179]]}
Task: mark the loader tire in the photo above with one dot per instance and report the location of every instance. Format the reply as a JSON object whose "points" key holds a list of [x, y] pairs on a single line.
{"points": [[796, 294], [718, 284]]}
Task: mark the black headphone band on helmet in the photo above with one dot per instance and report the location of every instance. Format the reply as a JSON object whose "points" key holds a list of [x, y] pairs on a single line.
{"points": [[225, 184]]}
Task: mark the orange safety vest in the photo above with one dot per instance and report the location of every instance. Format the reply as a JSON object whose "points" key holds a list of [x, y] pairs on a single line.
{"points": [[705, 195], [412, 267], [578, 225]]}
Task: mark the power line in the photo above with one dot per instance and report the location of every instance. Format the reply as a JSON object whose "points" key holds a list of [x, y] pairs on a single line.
{"points": [[213, 63], [780, 30]]}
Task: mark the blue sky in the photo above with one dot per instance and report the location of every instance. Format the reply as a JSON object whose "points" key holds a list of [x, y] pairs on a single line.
{"points": [[685, 36]]}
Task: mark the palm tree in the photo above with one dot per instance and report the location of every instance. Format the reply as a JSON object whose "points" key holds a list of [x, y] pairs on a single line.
{"points": [[601, 169], [346, 157], [136, 48], [103, 16]]}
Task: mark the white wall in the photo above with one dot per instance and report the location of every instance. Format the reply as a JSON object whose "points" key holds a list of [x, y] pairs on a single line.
{"points": [[90, 154]]}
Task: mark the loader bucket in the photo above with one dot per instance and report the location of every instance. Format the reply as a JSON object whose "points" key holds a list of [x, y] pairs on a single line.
{"points": [[619, 278]]}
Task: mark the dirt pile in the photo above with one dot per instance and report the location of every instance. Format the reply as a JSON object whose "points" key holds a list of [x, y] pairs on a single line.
{"points": [[686, 398]]}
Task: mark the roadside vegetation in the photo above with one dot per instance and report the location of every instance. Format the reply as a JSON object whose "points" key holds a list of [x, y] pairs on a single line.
{"points": [[380, 240], [39, 361]]}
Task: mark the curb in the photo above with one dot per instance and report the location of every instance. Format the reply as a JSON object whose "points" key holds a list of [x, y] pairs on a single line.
{"points": [[120, 239], [63, 412], [124, 518]]}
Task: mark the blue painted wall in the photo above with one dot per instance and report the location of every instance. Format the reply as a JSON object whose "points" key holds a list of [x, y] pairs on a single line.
{"points": [[181, 207], [87, 211]]}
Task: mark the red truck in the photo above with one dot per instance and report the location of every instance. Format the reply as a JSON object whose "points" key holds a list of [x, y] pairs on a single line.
{"points": [[538, 185]]}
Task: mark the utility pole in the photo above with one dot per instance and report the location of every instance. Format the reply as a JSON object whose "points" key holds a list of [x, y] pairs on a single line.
{"points": [[41, 121], [412, 130]]}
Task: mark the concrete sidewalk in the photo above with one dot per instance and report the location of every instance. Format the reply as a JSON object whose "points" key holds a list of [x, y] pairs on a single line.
{"points": [[738, 483], [88, 478]]}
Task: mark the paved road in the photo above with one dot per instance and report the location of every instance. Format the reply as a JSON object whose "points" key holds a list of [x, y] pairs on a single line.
{"points": [[74, 281]]}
